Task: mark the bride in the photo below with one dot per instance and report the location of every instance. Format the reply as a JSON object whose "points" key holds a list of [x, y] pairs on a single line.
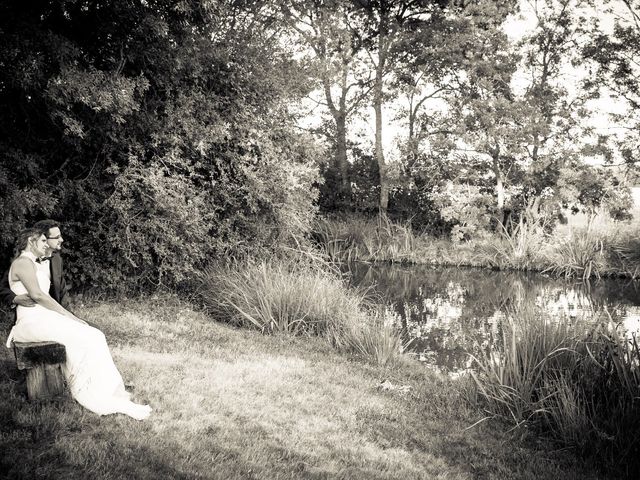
{"points": [[92, 376]]}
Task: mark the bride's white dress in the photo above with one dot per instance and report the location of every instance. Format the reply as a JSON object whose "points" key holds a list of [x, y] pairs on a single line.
{"points": [[92, 377]]}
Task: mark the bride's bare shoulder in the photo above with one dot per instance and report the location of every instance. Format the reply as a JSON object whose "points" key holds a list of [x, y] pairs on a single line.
{"points": [[21, 263], [21, 268]]}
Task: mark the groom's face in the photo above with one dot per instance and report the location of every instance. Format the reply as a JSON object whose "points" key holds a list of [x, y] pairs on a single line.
{"points": [[54, 239]]}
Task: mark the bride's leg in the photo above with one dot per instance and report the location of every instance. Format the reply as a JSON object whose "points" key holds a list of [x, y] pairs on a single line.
{"points": [[114, 398]]}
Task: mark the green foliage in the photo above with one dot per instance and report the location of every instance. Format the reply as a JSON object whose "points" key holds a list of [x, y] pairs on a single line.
{"points": [[158, 136], [614, 58], [590, 189], [365, 185], [467, 207]]}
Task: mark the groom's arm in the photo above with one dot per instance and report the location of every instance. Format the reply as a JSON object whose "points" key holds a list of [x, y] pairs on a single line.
{"points": [[64, 293], [6, 295], [10, 299]]}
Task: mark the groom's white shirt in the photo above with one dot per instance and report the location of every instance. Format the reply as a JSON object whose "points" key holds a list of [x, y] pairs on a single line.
{"points": [[45, 266]]}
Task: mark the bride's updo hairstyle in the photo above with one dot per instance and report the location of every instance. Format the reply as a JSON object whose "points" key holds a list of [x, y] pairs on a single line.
{"points": [[22, 241]]}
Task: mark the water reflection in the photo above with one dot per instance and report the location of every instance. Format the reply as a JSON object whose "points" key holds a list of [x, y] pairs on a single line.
{"points": [[448, 312]]}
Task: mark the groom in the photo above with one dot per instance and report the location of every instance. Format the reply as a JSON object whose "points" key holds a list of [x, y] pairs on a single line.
{"points": [[58, 289]]}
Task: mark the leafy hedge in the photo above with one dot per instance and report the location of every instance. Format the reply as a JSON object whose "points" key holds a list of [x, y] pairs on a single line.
{"points": [[155, 132]]}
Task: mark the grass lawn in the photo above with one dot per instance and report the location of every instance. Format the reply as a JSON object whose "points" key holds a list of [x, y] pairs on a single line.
{"points": [[234, 404]]}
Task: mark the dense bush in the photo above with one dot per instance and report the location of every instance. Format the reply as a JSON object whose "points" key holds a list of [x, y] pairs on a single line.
{"points": [[467, 207], [157, 134]]}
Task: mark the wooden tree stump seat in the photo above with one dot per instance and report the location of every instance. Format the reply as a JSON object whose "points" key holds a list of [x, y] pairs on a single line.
{"points": [[42, 361]]}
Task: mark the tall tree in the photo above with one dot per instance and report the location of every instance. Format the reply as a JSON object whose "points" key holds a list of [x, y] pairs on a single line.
{"points": [[617, 69], [430, 70], [384, 24], [515, 107], [548, 52], [487, 117], [324, 28]]}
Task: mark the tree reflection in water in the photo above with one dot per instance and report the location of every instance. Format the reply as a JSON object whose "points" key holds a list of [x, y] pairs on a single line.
{"points": [[450, 312]]}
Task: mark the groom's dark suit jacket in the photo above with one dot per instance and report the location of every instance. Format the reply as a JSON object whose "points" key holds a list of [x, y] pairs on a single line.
{"points": [[58, 289]]}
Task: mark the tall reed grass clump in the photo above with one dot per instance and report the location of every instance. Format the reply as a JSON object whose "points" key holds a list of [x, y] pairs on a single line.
{"points": [[376, 338], [624, 252], [300, 298], [517, 248], [510, 377], [579, 385], [365, 239], [581, 254]]}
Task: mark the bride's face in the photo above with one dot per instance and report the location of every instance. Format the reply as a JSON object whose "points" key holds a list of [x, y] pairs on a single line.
{"points": [[39, 245]]}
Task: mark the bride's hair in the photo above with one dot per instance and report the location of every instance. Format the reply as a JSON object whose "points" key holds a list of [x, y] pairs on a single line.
{"points": [[22, 241]]}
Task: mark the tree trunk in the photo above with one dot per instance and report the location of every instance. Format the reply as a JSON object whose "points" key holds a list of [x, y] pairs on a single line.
{"points": [[499, 188], [377, 106], [339, 114], [341, 159], [412, 142]]}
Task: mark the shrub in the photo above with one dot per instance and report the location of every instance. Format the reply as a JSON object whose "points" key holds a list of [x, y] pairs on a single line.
{"points": [[467, 207], [518, 247], [581, 255]]}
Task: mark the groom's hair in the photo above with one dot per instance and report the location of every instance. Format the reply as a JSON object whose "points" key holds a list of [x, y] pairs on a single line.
{"points": [[45, 225]]}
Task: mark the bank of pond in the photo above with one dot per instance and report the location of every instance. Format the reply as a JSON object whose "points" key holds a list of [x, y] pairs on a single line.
{"points": [[551, 358], [230, 403], [592, 251], [551, 355]]}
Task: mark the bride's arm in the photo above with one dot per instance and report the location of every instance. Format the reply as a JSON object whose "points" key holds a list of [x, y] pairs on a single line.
{"points": [[24, 270]]}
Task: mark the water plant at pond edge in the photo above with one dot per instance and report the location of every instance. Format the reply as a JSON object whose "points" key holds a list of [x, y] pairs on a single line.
{"points": [[579, 385], [360, 238], [589, 252], [376, 338], [625, 252], [282, 296], [581, 254], [510, 378], [518, 248]]}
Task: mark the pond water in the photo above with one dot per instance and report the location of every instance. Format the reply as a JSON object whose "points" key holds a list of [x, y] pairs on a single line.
{"points": [[449, 312]]}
